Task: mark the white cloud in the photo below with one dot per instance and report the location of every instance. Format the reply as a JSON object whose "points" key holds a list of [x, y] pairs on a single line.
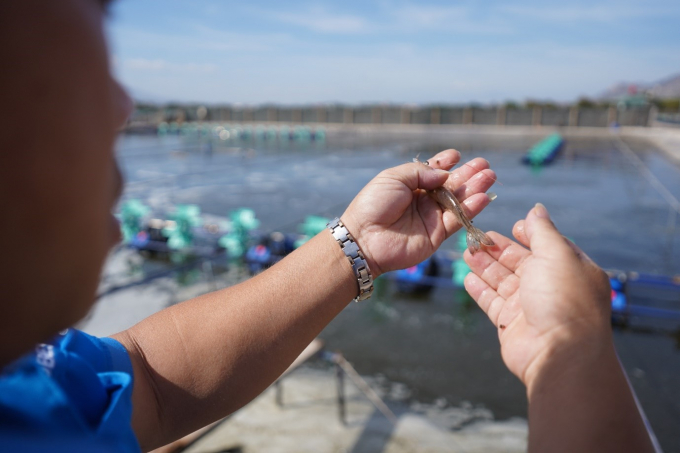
{"points": [[428, 16], [144, 64], [393, 17], [319, 20], [202, 38], [611, 13], [452, 19]]}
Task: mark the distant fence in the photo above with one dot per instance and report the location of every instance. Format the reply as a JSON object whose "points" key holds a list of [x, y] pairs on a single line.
{"points": [[536, 116]]}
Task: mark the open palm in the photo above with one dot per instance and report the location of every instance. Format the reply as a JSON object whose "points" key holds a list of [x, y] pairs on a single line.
{"points": [[539, 298], [394, 221]]}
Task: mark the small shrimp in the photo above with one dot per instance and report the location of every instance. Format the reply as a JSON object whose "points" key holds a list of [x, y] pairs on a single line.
{"points": [[447, 200]]}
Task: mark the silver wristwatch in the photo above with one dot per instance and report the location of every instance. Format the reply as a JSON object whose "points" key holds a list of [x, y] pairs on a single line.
{"points": [[356, 258]]}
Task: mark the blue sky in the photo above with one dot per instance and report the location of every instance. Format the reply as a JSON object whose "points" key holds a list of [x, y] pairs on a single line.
{"points": [[418, 52]]}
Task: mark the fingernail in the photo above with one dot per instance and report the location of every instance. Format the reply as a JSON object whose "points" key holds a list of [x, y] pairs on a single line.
{"points": [[541, 211], [441, 172], [492, 196]]}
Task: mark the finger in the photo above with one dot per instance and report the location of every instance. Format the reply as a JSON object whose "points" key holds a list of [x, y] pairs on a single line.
{"points": [[471, 206], [431, 214], [444, 160], [480, 182], [462, 174], [417, 175], [520, 233], [512, 308], [507, 252], [485, 296], [544, 238], [500, 278], [579, 252]]}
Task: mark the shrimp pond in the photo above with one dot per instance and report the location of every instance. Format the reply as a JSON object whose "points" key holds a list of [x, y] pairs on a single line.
{"points": [[438, 346]]}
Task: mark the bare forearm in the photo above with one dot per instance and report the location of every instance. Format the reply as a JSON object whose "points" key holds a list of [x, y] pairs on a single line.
{"points": [[205, 358], [585, 406], [198, 361]]}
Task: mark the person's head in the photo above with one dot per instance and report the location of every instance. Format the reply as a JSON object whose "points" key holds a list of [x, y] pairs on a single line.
{"points": [[60, 112]]}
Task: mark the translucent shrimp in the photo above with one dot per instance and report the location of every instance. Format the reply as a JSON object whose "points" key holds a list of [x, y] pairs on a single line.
{"points": [[447, 200]]}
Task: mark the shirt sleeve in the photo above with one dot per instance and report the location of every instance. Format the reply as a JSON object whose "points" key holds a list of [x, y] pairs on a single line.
{"points": [[73, 394], [120, 358]]}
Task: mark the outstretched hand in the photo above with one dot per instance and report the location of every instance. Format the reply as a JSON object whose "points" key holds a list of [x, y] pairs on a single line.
{"points": [[397, 225], [549, 297]]}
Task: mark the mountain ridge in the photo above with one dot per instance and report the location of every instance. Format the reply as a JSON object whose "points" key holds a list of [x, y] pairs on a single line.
{"points": [[666, 88]]}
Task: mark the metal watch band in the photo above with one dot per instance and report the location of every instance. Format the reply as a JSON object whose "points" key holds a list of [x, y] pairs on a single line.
{"points": [[356, 258]]}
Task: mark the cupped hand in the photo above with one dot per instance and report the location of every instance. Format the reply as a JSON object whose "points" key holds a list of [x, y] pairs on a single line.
{"points": [[397, 225], [542, 300]]}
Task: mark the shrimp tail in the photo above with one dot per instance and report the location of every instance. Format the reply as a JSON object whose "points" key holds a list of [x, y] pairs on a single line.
{"points": [[476, 238]]}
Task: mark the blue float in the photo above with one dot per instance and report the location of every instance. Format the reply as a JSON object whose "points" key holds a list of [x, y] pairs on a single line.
{"points": [[418, 278], [545, 151]]}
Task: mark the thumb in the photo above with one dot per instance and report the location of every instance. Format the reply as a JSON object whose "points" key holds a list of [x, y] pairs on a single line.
{"points": [[543, 237]]}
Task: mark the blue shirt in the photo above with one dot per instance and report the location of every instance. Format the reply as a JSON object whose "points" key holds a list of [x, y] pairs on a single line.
{"points": [[72, 395]]}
